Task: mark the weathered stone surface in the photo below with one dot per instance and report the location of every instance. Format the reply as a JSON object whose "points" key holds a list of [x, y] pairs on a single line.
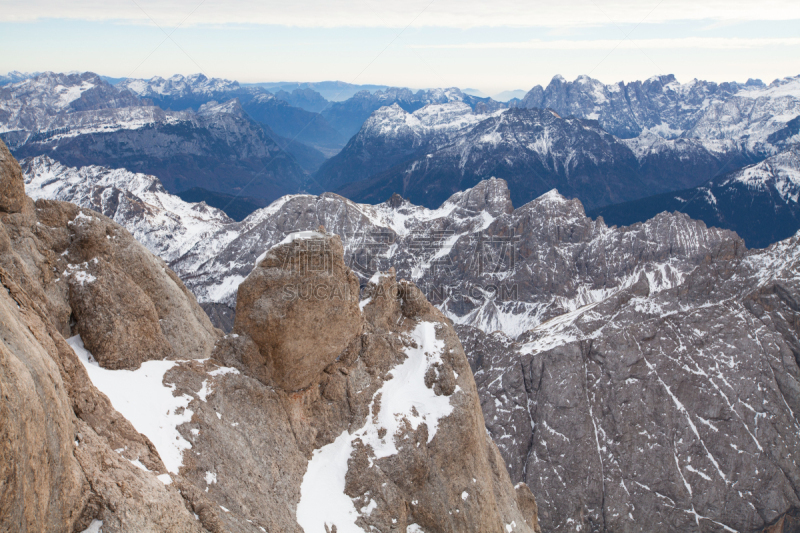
{"points": [[300, 307], [69, 458], [12, 186], [40, 479], [116, 320]]}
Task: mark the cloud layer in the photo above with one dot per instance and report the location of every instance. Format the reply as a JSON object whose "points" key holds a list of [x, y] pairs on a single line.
{"points": [[711, 43], [372, 13]]}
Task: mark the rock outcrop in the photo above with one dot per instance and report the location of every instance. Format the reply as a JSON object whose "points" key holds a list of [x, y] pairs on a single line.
{"points": [[358, 419], [300, 307], [12, 187]]}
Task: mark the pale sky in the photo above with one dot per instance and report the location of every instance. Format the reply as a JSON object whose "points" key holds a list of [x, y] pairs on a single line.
{"points": [[492, 46]]}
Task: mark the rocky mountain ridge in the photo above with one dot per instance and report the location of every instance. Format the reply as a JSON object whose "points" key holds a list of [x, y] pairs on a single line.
{"points": [[80, 119], [348, 116], [660, 104], [219, 147]]}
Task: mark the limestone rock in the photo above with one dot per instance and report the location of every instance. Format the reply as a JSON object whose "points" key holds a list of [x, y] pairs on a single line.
{"points": [[40, 479], [395, 410], [12, 186], [116, 320], [300, 307], [69, 458]]}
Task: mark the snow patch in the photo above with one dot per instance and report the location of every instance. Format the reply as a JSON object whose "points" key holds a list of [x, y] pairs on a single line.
{"points": [[142, 398]]}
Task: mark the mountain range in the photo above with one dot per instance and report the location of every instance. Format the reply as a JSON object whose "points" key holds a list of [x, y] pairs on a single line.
{"points": [[666, 137], [759, 202], [638, 377], [603, 144]]}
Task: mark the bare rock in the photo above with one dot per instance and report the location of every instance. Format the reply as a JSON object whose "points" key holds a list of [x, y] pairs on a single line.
{"points": [[41, 479], [300, 307], [69, 457], [12, 185], [116, 320]]}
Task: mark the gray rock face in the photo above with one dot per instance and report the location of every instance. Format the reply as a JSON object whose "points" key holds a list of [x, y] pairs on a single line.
{"points": [[627, 109], [657, 410]]}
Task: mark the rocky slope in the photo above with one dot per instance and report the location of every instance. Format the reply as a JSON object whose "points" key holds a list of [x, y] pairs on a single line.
{"points": [[637, 378], [671, 409], [759, 202], [319, 414]]}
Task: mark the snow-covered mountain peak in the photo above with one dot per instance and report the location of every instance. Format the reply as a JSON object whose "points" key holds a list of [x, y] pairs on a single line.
{"points": [[431, 120], [781, 172], [789, 86], [53, 91], [232, 106], [179, 85]]}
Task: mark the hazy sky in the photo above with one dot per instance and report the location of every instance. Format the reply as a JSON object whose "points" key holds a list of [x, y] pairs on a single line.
{"points": [[489, 45]]}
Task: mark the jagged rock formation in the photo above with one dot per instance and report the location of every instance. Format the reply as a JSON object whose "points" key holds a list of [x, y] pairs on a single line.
{"points": [[759, 202], [664, 106], [384, 430], [625, 110]]}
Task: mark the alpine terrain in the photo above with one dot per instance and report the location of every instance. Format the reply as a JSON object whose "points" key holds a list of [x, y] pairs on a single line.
{"points": [[124, 409], [642, 377]]}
